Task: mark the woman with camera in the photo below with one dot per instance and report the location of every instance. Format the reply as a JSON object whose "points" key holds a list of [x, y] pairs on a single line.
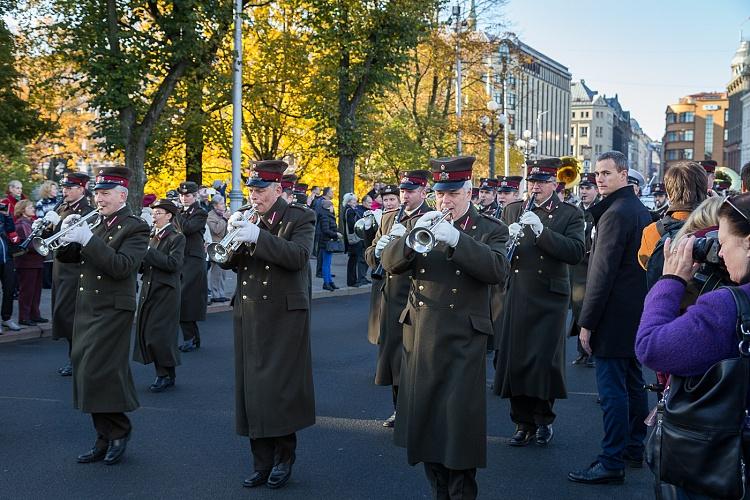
{"points": [[689, 343]]}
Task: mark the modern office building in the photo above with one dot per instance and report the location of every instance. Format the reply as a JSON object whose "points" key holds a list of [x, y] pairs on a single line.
{"points": [[738, 87]]}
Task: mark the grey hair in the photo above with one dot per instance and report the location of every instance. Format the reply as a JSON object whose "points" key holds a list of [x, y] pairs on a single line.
{"points": [[15, 183], [621, 161], [348, 197], [468, 186], [121, 189]]}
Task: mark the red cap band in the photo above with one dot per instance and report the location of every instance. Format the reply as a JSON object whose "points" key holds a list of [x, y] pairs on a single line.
{"points": [[420, 181], [267, 176], [462, 175], [74, 180]]}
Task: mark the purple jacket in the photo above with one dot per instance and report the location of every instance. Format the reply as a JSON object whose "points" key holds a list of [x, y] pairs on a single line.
{"points": [[687, 344]]}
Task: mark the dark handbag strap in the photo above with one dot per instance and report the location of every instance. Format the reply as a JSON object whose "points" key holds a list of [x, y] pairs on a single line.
{"points": [[742, 302]]}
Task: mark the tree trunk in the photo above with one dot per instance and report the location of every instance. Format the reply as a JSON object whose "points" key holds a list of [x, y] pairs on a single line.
{"points": [[194, 139], [135, 157]]}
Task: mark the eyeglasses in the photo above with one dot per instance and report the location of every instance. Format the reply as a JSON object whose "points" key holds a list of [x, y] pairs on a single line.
{"points": [[728, 201]]}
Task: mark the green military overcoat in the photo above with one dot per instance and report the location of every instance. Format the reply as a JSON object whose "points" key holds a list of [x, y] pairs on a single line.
{"points": [[531, 357], [158, 320], [105, 306], [194, 279], [441, 409], [273, 363], [394, 289]]}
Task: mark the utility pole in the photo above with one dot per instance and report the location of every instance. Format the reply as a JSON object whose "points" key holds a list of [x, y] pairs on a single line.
{"points": [[457, 15], [235, 195]]}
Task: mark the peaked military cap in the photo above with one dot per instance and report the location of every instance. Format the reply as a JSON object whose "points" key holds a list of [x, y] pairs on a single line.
{"points": [[451, 173], [413, 179], [266, 172], [188, 187], [111, 177], [509, 184]]}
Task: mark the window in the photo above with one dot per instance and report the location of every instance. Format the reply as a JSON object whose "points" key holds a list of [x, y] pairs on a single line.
{"points": [[572, 131], [584, 131], [598, 149], [687, 117], [709, 135], [587, 114], [571, 150], [672, 154], [511, 104], [687, 154], [671, 136], [599, 132], [671, 118], [687, 135], [574, 114]]}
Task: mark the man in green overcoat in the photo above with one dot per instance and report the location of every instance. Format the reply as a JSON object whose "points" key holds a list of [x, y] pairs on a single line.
{"points": [[441, 401], [273, 364], [110, 256]]}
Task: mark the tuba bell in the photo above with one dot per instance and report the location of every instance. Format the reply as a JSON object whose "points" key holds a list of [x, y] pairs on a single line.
{"points": [[367, 222], [729, 175], [569, 173]]}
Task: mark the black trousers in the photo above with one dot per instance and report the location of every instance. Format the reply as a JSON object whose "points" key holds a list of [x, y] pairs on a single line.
{"points": [[164, 371], [271, 451], [110, 426], [528, 412], [451, 484], [394, 391], [354, 270], [190, 331], [8, 277]]}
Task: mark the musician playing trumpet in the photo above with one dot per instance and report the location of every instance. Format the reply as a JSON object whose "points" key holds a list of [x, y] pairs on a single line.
{"points": [[273, 365], [531, 350], [441, 409], [394, 289]]}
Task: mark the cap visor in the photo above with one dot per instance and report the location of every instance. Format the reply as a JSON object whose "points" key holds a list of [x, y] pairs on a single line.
{"points": [[408, 185], [448, 186], [258, 183], [104, 185]]}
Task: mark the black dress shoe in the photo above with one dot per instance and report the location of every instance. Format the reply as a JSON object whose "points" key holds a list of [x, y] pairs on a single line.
{"points": [[93, 455], [327, 286], [116, 450], [280, 474], [333, 286], [26, 322], [40, 320], [581, 359], [522, 437], [597, 474], [634, 462], [390, 421], [544, 435], [256, 479], [66, 371], [160, 384]]}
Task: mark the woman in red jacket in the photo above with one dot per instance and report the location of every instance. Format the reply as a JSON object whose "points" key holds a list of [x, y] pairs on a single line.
{"points": [[28, 268]]}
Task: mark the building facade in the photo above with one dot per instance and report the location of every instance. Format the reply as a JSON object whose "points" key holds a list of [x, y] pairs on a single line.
{"points": [[745, 147], [695, 128], [738, 87], [591, 124], [639, 152], [538, 98]]}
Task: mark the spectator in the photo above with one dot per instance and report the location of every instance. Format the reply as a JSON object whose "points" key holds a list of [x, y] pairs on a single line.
{"points": [[314, 196], [47, 198], [220, 187], [7, 270], [203, 198], [327, 195], [217, 225], [356, 267], [47, 202], [688, 343], [28, 269], [327, 225], [610, 313], [13, 196]]}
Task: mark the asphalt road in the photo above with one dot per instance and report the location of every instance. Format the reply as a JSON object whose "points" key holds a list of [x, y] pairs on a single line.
{"points": [[184, 446]]}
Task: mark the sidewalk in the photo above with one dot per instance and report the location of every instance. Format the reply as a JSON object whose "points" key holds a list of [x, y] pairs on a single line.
{"points": [[338, 267]]}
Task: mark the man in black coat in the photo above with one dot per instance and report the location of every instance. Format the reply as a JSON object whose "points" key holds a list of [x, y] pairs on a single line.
{"points": [[194, 281], [611, 311]]}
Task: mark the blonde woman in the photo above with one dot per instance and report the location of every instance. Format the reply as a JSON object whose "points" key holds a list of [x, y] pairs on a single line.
{"points": [[47, 198], [703, 219]]}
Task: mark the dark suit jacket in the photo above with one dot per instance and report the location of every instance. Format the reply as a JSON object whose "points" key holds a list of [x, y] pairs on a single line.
{"points": [[616, 283]]}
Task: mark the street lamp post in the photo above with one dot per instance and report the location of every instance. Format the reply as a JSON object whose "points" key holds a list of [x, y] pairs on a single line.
{"points": [[504, 58], [457, 13], [527, 145], [491, 127], [235, 195]]}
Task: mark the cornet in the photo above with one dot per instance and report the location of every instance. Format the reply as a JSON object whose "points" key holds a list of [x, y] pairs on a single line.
{"points": [[222, 251], [45, 246], [421, 239], [367, 222]]}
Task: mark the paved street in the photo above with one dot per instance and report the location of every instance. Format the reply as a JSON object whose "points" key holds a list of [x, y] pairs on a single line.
{"points": [[184, 446]]}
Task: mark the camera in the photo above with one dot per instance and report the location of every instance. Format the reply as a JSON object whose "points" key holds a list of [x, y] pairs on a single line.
{"points": [[706, 249], [3, 208]]}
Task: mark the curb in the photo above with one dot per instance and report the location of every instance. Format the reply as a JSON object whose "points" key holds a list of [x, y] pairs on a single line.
{"points": [[36, 332]]}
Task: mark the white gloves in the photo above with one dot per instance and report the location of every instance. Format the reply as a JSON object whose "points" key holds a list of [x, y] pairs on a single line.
{"points": [[51, 218], [514, 229], [147, 217], [248, 233], [427, 219], [80, 234], [231, 222], [69, 221], [381, 244], [378, 214], [37, 224], [446, 233], [397, 231], [532, 220]]}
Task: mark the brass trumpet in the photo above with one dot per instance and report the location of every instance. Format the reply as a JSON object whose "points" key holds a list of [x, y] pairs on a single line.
{"points": [[367, 222], [222, 251], [421, 239], [45, 246]]}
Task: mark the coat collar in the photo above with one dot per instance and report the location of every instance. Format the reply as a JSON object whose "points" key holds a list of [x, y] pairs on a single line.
{"points": [[421, 210], [274, 215], [116, 217], [468, 220], [623, 193], [551, 204]]}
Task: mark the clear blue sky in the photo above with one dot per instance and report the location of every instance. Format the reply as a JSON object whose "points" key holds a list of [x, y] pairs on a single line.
{"points": [[650, 53]]}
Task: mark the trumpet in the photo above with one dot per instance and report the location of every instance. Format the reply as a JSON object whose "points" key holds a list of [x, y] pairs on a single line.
{"points": [[49, 221], [517, 238], [421, 239], [378, 273], [45, 246], [222, 251], [367, 222]]}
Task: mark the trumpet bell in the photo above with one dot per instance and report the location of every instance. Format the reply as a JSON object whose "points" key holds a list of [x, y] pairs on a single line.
{"points": [[421, 240], [40, 246], [217, 253], [363, 225]]}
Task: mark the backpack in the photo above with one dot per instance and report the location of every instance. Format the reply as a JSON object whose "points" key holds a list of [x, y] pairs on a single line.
{"points": [[668, 228]]}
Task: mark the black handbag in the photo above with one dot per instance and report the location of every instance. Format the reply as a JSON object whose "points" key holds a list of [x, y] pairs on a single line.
{"points": [[335, 246], [698, 440]]}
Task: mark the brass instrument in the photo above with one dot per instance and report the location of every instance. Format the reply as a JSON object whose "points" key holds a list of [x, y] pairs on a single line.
{"points": [[45, 246], [517, 238], [49, 221], [379, 272], [569, 173], [421, 239], [728, 175], [222, 251], [367, 222]]}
